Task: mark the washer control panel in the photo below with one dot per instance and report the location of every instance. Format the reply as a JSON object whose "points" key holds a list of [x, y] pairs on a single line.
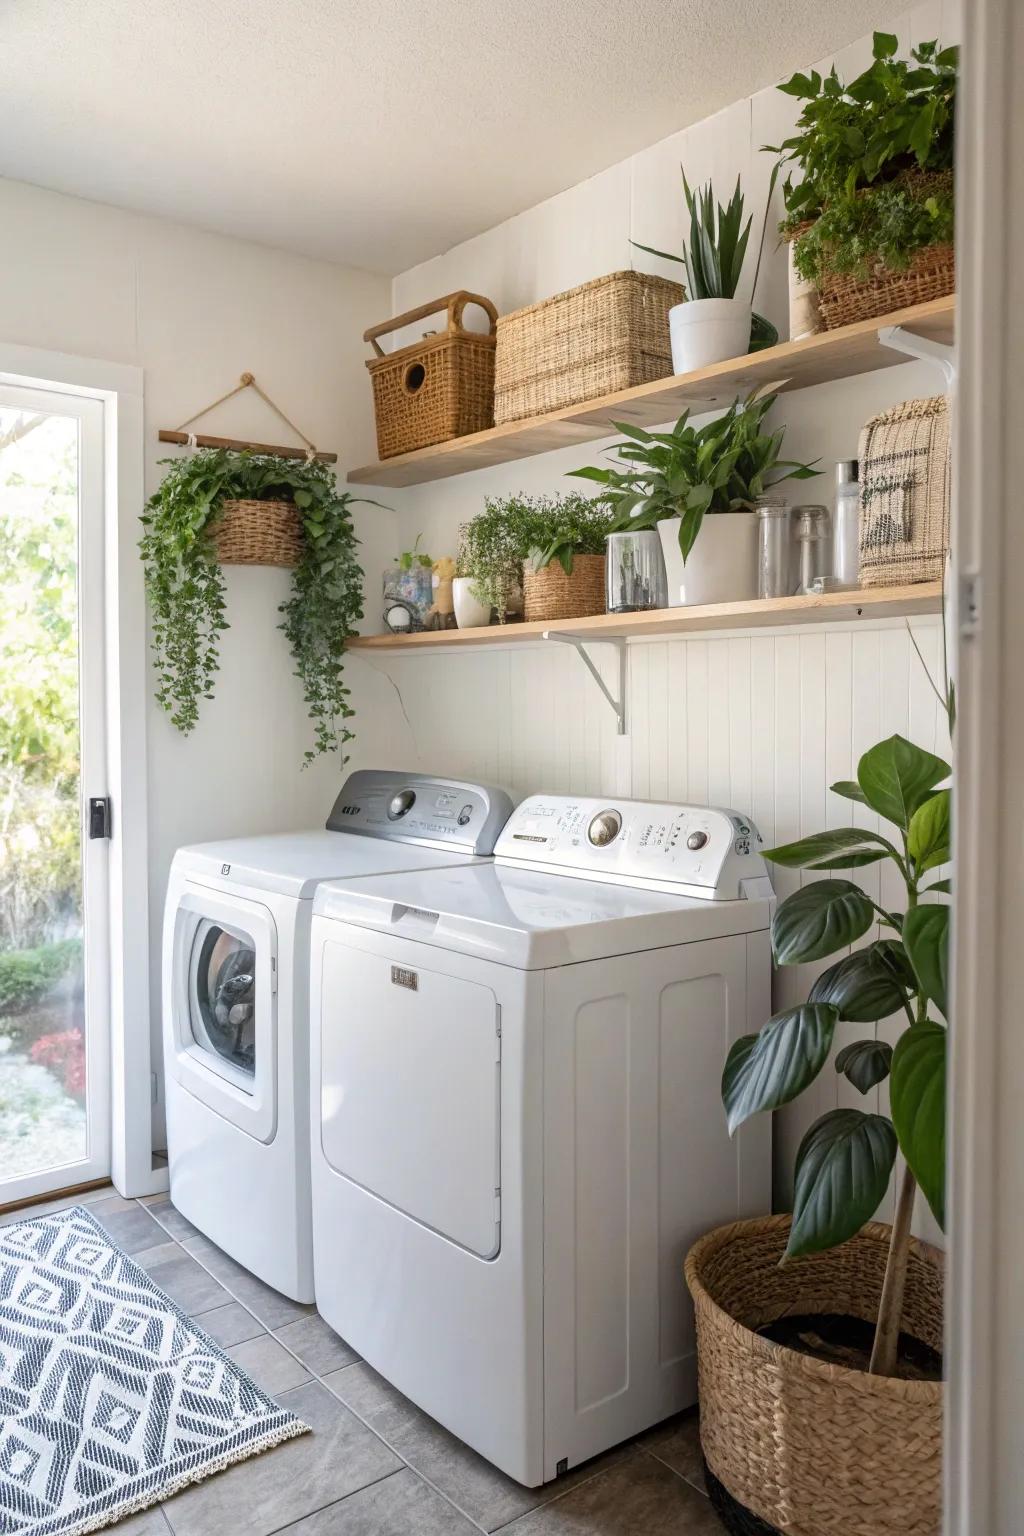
{"points": [[418, 808], [698, 850]]}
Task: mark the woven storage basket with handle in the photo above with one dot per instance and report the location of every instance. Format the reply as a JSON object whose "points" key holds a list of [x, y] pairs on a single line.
{"points": [[808, 1447], [905, 493], [437, 388], [551, 594], [606, 335], [258, 533]]}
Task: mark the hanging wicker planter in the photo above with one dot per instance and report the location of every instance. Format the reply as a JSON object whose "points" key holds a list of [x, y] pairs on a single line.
{"points": [[796, 1445], [551, 594], [258, 533]]}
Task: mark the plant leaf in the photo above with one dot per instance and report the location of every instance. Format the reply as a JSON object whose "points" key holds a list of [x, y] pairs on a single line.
{"points": [[818, 920], [843, 1168], [896, 777], [926, 936], [849, 790], [826, 850], [862, 986], [865, 1063], [917, 1096], [928, 833], [770, 1068]]}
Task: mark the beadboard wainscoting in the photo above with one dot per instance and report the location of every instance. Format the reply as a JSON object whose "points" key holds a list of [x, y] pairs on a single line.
{"points": [[763, 721]]}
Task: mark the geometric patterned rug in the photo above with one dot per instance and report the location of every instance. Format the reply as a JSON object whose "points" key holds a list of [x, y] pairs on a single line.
{"points": [[110, 1396]]}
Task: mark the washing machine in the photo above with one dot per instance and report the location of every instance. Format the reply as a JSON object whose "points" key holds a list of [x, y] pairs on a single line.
{"points": [[236, 1002], [517, 1129]]}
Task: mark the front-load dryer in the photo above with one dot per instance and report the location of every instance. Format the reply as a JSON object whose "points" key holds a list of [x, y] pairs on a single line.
{"points": [[517, 1130], [236, 1002]]}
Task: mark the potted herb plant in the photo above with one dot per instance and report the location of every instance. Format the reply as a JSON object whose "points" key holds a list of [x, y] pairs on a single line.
{"points": [[819, 1333], [712, 324], [515, 531], [182, 549], [698, 486], [564, 573], [871, 213]]}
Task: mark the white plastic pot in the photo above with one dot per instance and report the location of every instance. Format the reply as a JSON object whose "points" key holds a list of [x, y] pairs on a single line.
{"points": [[722, 565], [706, 331], [470, 612]]}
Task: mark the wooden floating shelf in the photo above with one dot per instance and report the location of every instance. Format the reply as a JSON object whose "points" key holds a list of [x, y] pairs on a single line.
{"points": [[817, 359], [828, 607]]}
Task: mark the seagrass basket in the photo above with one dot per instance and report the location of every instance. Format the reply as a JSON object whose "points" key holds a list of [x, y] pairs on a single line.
{"points": [[906, 483], [605, 335], [258, 533], [807, 1447], [437, 388], [551, 594]]}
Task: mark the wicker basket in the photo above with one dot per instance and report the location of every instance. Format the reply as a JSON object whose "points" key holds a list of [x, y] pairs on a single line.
{"points": [[439, 387], [905, 476], [258, 533], [551, 594], [811, 1448], [603, 336]]}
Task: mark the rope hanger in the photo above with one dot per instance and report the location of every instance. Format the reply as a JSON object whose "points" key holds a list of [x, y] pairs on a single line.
{"points": [[201, 440]]}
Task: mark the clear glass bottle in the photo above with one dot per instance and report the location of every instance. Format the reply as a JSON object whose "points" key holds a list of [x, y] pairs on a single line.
{"points": [[846, 530], [774, 548], [635, 577], [812, 527]]}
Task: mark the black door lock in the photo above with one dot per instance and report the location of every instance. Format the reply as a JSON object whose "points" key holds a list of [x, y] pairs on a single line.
{"points": [[99, 817]]}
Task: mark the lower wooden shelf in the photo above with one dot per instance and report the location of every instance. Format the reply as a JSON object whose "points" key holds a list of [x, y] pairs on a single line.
{"points": [[828, 607]]}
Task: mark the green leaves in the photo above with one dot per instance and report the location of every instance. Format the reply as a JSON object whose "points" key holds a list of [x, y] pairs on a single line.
{"points": [[818, 920], [717, 246], [896, 777], [841, 848], [865, 1063], [928, 834], [842, 1172], [512, 529], [926, 936], [765, 1070], [868, 985], [917, 1097]]}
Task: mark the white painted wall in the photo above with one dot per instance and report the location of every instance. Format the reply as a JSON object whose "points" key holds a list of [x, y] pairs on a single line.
{"points": [[194, 310], [763, 722]]}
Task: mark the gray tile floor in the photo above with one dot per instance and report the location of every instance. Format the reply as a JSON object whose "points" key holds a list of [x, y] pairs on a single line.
{"points": [[374, 1465]]}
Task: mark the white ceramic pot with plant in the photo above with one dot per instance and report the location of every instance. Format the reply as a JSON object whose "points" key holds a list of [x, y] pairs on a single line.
{"points": [[698, 486], [712, 324], [471, 612]]}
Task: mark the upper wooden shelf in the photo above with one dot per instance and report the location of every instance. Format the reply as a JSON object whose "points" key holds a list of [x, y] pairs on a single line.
{"points": [[791, 365], [758, 613]]}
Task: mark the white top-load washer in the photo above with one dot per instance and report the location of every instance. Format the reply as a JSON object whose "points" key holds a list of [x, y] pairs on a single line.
{"points": [[236, 1002], [517, 1130]]}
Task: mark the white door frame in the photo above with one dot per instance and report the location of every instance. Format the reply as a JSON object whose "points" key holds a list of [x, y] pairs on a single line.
{"points": [[120, 389], [985, 1422]]}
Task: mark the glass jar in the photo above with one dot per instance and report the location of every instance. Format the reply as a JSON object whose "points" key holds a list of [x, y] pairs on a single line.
{"points": [[812, 529], [846, 529], [635, 576], [773, 547]]}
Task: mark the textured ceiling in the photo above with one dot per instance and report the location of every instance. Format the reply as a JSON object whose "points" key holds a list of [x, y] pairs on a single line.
{"points": [[374, 132]]}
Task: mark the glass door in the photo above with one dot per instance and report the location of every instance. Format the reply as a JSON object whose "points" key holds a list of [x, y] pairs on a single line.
{"points": [[54, 956]]}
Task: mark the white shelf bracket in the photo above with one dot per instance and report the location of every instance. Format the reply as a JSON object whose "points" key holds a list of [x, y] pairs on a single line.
{"points": [[942, 353], [579, 644]]}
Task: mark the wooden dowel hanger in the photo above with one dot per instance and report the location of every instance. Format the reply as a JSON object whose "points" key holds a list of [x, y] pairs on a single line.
{"points": [[240, 445]]}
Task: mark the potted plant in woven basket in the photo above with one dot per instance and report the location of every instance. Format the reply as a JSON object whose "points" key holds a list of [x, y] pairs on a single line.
{"points": [[564, 575], [217, 507], [818, 1334], [698, 486], [871, 217]]}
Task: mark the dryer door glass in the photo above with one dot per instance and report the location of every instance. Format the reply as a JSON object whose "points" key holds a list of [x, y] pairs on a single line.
{"points": [[222, 994]]}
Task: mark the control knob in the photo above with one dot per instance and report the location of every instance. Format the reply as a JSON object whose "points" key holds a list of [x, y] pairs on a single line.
{"points": [[604, 828], [696, 840], [401, 804]]}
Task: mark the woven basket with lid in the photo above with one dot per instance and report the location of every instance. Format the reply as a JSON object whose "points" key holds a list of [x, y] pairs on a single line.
{"points": [[258, 533], [551, 594], [807, 1447]]}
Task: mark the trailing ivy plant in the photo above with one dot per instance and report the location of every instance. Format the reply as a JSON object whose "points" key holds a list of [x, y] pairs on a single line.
{"points": [[185, 583], [845, 1160]]}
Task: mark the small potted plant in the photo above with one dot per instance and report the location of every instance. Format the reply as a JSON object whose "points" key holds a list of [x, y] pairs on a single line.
{"points": [[871, 215], [819, 1334], [564, 573], [712, 324], [698, 486]]}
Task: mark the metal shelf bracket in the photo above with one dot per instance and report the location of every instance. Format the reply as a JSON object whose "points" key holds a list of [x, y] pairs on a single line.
{"points": [[579, 644], [942, 353]]}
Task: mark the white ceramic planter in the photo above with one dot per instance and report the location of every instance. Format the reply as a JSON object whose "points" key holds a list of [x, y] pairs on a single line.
{"points": [[722, 567], [470, 612], [705, 331]]}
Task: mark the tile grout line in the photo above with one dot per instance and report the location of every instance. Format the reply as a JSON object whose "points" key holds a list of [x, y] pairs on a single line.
{"points": [[556, 1498], [334, 1502], [670, 1468]]}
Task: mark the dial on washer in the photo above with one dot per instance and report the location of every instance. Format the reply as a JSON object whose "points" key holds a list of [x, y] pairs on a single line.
{"points": [[604, 828], [399, 805]]}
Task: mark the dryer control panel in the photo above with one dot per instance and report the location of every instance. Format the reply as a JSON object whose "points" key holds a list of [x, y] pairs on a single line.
{"points": [[695, 850], [417, 808]]}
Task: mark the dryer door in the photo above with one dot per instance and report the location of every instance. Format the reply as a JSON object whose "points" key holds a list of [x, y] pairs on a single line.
{"points": [[224, 1013]]}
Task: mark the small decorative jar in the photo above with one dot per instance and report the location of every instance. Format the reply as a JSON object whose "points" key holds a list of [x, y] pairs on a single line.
{"points": [[635, 577], [774, 549], [813, 527], [413, 588]]}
